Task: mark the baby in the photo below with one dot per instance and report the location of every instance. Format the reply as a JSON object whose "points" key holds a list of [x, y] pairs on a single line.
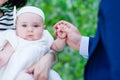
{"points": [[30, 42]]}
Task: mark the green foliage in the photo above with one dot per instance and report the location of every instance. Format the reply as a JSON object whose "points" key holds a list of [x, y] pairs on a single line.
{"points": [[81, 13]]}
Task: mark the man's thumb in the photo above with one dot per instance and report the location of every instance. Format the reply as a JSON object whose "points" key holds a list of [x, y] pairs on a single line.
{"points": [[30, 70]]}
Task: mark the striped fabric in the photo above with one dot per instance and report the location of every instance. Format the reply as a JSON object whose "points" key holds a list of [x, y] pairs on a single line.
{"points": [[6, 21]]}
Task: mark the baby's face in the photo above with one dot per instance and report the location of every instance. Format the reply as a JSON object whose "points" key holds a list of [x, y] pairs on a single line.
{"points": [[29, 26]]}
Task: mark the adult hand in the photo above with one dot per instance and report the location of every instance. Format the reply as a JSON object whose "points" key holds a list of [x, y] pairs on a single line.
{"points": [[73, 37], [41, 69], [5, 54]]}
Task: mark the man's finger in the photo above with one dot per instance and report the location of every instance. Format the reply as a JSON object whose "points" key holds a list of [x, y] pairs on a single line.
{"points": [[30, 70]]}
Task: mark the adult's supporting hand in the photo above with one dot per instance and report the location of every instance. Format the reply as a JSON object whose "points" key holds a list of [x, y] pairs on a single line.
{"points": [[73, 36], [41, 69], [5, 54]]}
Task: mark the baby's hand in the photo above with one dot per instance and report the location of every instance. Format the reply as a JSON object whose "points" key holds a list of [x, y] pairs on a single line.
{"points": [[60, 31]]}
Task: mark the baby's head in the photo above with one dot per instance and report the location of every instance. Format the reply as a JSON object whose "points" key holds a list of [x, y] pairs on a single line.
{"points": [[30, 23], [31, 9]]}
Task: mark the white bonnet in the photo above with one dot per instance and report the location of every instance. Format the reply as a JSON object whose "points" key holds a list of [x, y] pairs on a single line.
{"points": [[31, 9]]}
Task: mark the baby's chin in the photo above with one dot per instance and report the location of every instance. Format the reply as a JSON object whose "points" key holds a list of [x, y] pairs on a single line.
{"points": [[31, 39]]}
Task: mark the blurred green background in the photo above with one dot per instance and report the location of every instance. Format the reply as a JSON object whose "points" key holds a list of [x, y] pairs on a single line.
{"points": [[81, 13]]}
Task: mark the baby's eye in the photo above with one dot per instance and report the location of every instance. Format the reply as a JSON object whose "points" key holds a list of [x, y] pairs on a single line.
{"points": [[24, 25], [36, 25]]}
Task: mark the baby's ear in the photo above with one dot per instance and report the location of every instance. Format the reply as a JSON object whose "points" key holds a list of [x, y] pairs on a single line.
{"points": [[44, 26]]}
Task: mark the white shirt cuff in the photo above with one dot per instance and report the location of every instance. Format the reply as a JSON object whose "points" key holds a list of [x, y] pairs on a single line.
{"points": [[84, 46]]}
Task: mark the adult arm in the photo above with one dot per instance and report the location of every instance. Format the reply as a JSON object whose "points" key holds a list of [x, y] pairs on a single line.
{"points": [[41, 69]]}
